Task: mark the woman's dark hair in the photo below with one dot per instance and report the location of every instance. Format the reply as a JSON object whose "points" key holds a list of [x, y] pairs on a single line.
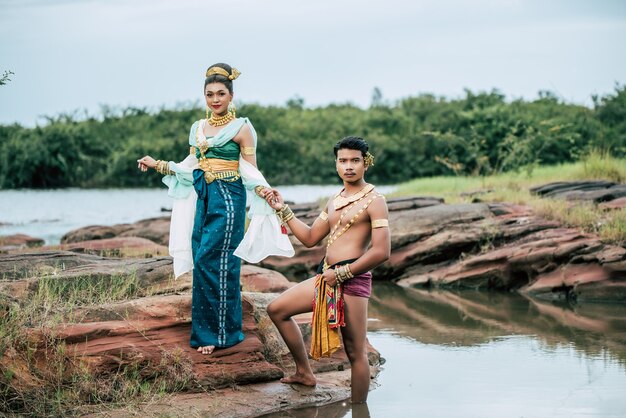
{"points": [[352, 142], [218, 78]]}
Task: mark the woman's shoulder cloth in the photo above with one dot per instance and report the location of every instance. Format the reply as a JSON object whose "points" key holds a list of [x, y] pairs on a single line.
{"points": [[192, 133], [246, 121]]}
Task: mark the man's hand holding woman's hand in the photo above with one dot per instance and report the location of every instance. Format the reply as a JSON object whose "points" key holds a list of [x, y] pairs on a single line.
{"points": [[329, 277], [273, 198]]}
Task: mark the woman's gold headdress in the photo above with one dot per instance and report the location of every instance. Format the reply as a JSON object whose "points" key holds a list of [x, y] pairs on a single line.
{"points": [[219, 70]]}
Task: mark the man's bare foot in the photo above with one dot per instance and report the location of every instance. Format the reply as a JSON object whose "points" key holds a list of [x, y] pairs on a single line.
{"points": [[208, 349], [306, 380]]}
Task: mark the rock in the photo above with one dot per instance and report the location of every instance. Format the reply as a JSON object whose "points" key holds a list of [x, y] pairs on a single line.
{"points": [[493, 246], [613, 204], [19, 241], [598, 196], [591, 191], [22, 272], [534, 257], [154, 229], [404, 203], [127, 247], [258, 279], [252, 400], [564, 187]]}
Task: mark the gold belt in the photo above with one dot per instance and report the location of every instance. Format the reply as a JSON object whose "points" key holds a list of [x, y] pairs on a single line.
{"points": [[218, 169]]}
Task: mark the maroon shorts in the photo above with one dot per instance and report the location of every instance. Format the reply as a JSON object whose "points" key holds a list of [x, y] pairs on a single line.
{"points": [[360, 285]]}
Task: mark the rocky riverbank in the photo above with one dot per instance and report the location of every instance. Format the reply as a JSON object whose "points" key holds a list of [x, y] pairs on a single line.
{"points": [[145, 328], [147, 333]]}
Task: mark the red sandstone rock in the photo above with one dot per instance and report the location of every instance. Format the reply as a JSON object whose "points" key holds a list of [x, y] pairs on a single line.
{"points": [[154, 229], [616, 204], [115, 247], [19, 241], [258, 279], [105, 338], [550, 263]]}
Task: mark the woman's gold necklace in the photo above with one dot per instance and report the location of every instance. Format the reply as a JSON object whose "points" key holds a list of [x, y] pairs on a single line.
{"points": [[220, 120]]}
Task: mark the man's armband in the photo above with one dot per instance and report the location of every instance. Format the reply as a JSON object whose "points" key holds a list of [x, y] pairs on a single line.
{"points": [[380, 223], [323, 216]]}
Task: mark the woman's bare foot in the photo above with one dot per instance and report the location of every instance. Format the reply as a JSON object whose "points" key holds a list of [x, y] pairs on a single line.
{"points": [[208, 349], [301, 379]]}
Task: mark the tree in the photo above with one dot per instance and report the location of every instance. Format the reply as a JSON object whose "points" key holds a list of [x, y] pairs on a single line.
{"points": [[5, 77]]}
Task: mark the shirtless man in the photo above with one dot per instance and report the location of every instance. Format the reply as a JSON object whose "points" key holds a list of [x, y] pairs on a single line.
{"points": [[354, 217]]}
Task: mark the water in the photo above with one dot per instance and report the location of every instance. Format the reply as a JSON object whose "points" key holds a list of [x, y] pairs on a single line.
{"points": [[474, 354], [448, 354], [49, 214]]}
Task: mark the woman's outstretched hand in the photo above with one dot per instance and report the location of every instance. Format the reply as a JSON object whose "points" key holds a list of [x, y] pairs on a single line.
{"points": [[273, 198], [145, 163]]}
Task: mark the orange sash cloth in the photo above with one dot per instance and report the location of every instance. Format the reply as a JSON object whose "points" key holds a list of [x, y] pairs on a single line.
{"points": [[327, 318], [217, 164]]}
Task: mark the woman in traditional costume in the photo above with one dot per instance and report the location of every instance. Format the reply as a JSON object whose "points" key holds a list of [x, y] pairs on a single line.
{"points": [[212, 181]]}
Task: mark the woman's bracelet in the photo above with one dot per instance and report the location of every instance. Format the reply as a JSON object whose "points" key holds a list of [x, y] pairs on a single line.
{"points": [[163, 167], [258, 190]]}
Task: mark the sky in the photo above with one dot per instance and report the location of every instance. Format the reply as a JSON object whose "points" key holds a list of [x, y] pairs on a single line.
{"points": [[81, 55]]}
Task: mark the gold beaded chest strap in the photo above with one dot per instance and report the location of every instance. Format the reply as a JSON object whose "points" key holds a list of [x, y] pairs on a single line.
{"points": [[345, 212], [334, 235]]}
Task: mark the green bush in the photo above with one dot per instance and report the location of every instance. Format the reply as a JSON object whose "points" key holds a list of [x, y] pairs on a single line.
{"points": [[422, 136]]}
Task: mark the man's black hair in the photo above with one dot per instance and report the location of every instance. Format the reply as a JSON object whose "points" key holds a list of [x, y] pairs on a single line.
{"points": [[352, 142]]}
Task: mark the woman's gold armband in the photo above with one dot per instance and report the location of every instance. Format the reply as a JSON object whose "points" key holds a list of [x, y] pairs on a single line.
{"points": [[248, 150]]}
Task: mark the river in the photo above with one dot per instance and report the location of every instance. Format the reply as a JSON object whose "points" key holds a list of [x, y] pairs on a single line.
{"points": [[479, 354], [447, 354]]}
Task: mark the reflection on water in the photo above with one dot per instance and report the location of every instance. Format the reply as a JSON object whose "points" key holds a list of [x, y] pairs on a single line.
{"points": [[471, 317], [477, 354]]}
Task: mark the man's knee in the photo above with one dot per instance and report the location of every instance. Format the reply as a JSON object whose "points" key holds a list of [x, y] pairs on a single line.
{"points": [[274, 311], [356, 354]]}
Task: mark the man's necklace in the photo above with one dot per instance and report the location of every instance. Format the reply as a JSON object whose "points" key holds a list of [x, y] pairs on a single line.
{"points": [[339, 201]]}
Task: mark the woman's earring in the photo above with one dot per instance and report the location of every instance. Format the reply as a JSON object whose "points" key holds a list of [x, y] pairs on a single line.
{"points": [[207, 113], [232, 108]]}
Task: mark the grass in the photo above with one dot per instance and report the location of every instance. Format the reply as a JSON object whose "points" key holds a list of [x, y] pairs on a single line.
{"points": [[514, 187], [41, 376]]}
